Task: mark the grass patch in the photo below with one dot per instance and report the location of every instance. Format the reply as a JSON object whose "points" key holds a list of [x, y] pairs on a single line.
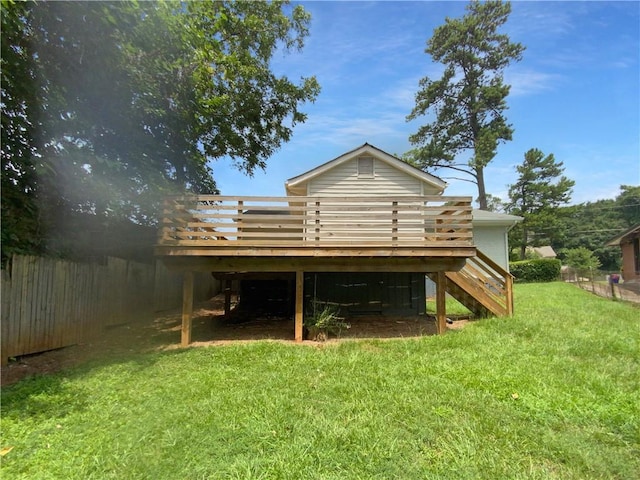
{"points": [[550, 393], [453, 307]]}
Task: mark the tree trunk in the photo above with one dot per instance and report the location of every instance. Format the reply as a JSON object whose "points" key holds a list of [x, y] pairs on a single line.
{"points": [[482, 193], [523, 244]]}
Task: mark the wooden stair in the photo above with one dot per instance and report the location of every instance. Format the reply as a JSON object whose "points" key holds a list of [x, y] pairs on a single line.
{"points": [[483, 286]]}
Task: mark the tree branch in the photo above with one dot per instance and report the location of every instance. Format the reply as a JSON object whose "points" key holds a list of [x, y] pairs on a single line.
{"points": [[461, 179], [458, 169]]}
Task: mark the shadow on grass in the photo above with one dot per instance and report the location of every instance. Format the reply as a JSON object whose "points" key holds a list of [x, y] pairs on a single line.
{"points": [[133, 342]]}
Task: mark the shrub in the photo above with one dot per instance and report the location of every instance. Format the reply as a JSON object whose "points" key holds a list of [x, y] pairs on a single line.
{"points": [[582, 260], [536, 270], [322, 320]]}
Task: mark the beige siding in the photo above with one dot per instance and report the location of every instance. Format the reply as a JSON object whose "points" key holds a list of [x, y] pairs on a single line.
{"points": [[343, 181]]}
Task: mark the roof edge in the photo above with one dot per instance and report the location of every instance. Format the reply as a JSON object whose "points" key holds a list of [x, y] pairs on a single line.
{"points": [[384, 156], [615, 241]]}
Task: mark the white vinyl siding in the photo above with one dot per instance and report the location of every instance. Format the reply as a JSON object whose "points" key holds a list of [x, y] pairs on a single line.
{"points": [[386, 180], [493, 243], [345, 180], [492, 240]]}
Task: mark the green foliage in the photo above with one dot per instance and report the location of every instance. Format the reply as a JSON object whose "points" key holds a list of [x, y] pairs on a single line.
{"points": [[20, 229], [536, 270], [109, 106], [537, 195], [453, 307], [629, 201], [592, 224], [548, 394], [470, 99], [531, 254], [325, 318], [494, 204], [581, 259]]}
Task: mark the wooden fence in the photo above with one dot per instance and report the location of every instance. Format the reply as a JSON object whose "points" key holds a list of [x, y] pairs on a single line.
{"points": [[49, 303], [627, 292]]}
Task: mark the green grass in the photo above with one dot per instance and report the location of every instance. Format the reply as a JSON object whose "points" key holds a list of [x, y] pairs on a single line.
{"points": [[551, 393], [453, 307]]}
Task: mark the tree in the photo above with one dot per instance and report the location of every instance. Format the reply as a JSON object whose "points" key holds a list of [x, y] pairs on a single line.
{"points": [[117, 104], [589, 225], [494, 203], [470, 99], [629, 202], [582, 260], [20, 229], [537, 195], [592, 224]]}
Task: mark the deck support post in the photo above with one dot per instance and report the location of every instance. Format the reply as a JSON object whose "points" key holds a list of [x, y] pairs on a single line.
{"points": [[187, 307], [227, 298], [508, 285], [299, 312], [441, 309]]}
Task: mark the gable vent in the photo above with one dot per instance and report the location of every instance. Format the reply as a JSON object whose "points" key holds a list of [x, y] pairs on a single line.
{"points": [[365, 167]]}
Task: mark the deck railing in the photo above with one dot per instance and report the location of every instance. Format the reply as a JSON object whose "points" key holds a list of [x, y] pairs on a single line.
{"points": [[320, 222]]}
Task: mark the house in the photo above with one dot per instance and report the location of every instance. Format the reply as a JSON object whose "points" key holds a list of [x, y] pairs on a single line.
{"points": [[369, 171], [629, 242], [362, 230], [490, 234], [545, 251]]}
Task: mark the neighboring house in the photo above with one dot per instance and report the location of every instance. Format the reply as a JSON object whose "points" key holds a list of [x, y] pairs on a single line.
{"points": [[361, 230], [629, 243], [543, 252]]}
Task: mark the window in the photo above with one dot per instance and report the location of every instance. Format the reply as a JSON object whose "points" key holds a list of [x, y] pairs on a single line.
{"points": [[365, 167]]}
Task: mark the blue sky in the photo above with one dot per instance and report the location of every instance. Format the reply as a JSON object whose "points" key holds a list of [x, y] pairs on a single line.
{"points": [[575, 94]]}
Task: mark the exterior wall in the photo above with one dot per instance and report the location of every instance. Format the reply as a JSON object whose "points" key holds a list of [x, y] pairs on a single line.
{"points": [[492, 240], [368, 293], [343, 181], [630, 260]]}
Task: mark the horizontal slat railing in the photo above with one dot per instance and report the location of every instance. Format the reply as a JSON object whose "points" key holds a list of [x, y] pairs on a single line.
{"points": [[487, 282], [225, 221]]}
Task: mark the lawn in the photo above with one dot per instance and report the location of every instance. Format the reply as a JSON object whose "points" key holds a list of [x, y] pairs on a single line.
{"points": [[550, 393]]}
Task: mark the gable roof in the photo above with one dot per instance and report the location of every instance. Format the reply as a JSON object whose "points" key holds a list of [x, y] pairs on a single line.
{"points": [[379, 155], [617, 240]]}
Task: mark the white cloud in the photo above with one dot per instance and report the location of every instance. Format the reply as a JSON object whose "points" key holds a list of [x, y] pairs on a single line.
{"points": [[529, 82], [536, 20]]}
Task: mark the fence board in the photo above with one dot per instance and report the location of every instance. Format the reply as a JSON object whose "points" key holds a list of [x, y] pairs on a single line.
{"points": [[48, 304], [5, 301]]}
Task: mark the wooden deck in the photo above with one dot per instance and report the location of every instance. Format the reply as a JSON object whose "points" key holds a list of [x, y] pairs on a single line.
{"points": [[314, 227], [227, 234]]}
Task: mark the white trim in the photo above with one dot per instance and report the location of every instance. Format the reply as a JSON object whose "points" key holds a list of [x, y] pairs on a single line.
{"points": [[483, 217], [506, 248]]}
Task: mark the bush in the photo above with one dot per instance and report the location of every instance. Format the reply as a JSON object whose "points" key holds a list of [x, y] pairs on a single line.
{"points": [[582, 260], [322, 320], [536, 270]]}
